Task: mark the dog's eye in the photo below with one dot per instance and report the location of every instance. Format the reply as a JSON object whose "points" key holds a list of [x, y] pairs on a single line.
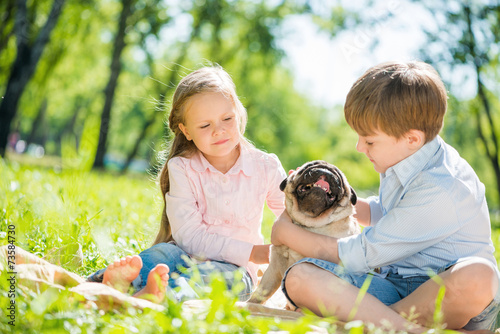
{"points": [[302, 189], [306, 188]]}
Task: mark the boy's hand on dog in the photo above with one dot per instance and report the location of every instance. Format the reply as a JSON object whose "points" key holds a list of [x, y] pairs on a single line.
{"points": [[280, 226]]}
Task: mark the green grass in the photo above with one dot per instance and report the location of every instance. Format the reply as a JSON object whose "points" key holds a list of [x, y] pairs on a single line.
{"points": [[111, 216]]}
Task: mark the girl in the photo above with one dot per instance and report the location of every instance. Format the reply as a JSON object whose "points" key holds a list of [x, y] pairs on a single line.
{"points": [[214, 184]]}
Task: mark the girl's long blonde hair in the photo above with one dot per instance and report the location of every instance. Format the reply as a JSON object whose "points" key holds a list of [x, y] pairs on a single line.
{"points": [[211, 79]]}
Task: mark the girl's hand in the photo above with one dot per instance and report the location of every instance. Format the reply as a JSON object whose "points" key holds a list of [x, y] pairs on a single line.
{"points": [[260, 254]]}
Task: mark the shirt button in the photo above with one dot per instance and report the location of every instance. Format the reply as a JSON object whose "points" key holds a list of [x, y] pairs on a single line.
{"points": [[226, 202], [225, 180]]}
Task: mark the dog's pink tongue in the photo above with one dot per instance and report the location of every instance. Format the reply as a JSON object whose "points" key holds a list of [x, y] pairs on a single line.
{"points": [[323, 184]]}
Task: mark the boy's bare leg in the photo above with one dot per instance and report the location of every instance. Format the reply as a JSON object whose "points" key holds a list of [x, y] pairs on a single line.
{"points": [[121, 273], [470, 287], [155, 285], [325, 294]]}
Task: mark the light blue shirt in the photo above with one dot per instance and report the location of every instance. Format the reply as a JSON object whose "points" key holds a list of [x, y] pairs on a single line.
{"points": [[431, 210]]}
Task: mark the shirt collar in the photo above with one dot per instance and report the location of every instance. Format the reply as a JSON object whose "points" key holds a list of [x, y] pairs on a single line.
{"points": [[243, 164], [406, 169]]}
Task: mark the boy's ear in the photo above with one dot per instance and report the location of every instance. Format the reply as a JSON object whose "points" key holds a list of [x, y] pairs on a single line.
{"points": [[184, 131], [416, 138]]}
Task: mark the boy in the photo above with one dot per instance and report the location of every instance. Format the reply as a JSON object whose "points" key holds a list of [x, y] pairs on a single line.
{"points": [[430, 218]]}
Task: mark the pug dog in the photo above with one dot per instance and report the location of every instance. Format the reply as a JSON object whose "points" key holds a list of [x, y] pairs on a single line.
{"points": [[318, 198]]}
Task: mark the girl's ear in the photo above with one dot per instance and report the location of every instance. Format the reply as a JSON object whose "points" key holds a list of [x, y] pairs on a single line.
{"points": [[184, 131]]}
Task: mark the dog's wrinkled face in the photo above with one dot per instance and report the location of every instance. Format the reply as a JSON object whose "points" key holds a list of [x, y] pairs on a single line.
{"points": [[318, 198], [317, 187]]}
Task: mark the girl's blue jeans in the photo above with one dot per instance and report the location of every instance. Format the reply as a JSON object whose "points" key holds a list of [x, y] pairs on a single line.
{"points": [[182, 269]]}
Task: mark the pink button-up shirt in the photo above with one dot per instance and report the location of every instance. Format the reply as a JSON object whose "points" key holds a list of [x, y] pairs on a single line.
{"points": [[218, 216]]}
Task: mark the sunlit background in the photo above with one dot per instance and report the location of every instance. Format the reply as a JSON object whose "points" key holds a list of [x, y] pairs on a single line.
{"points": [[97, 95], [85, 89]]}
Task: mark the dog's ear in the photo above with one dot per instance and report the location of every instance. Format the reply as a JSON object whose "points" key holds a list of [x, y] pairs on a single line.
{"points": [[283, 184], [354, 197]]}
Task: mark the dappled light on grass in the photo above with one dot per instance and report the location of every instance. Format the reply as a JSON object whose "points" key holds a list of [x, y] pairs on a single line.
{"points": [[51, 209]]}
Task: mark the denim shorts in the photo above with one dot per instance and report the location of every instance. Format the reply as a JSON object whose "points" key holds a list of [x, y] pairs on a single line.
{"points": [[182, 269], [394, 287]]}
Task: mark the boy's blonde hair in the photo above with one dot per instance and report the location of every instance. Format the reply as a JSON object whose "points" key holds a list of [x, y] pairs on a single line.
{"points": [[396, 97], [211, 79]]}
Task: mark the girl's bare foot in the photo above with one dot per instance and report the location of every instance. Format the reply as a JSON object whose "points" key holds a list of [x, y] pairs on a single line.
{"points": [[156, 284], [121, 273]]}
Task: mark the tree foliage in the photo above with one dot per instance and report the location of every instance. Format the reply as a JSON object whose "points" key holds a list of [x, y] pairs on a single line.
{"points": [[82, 79], [84, 99], [466, 40], [30, 45]]}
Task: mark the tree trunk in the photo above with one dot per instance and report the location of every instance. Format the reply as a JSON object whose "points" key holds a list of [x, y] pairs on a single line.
{"points": [[69, 127], [141, 137], [6, 17], [493, 153], [151, 120], [24, 65], [110, 89], [172, 82], [37, 123]]}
